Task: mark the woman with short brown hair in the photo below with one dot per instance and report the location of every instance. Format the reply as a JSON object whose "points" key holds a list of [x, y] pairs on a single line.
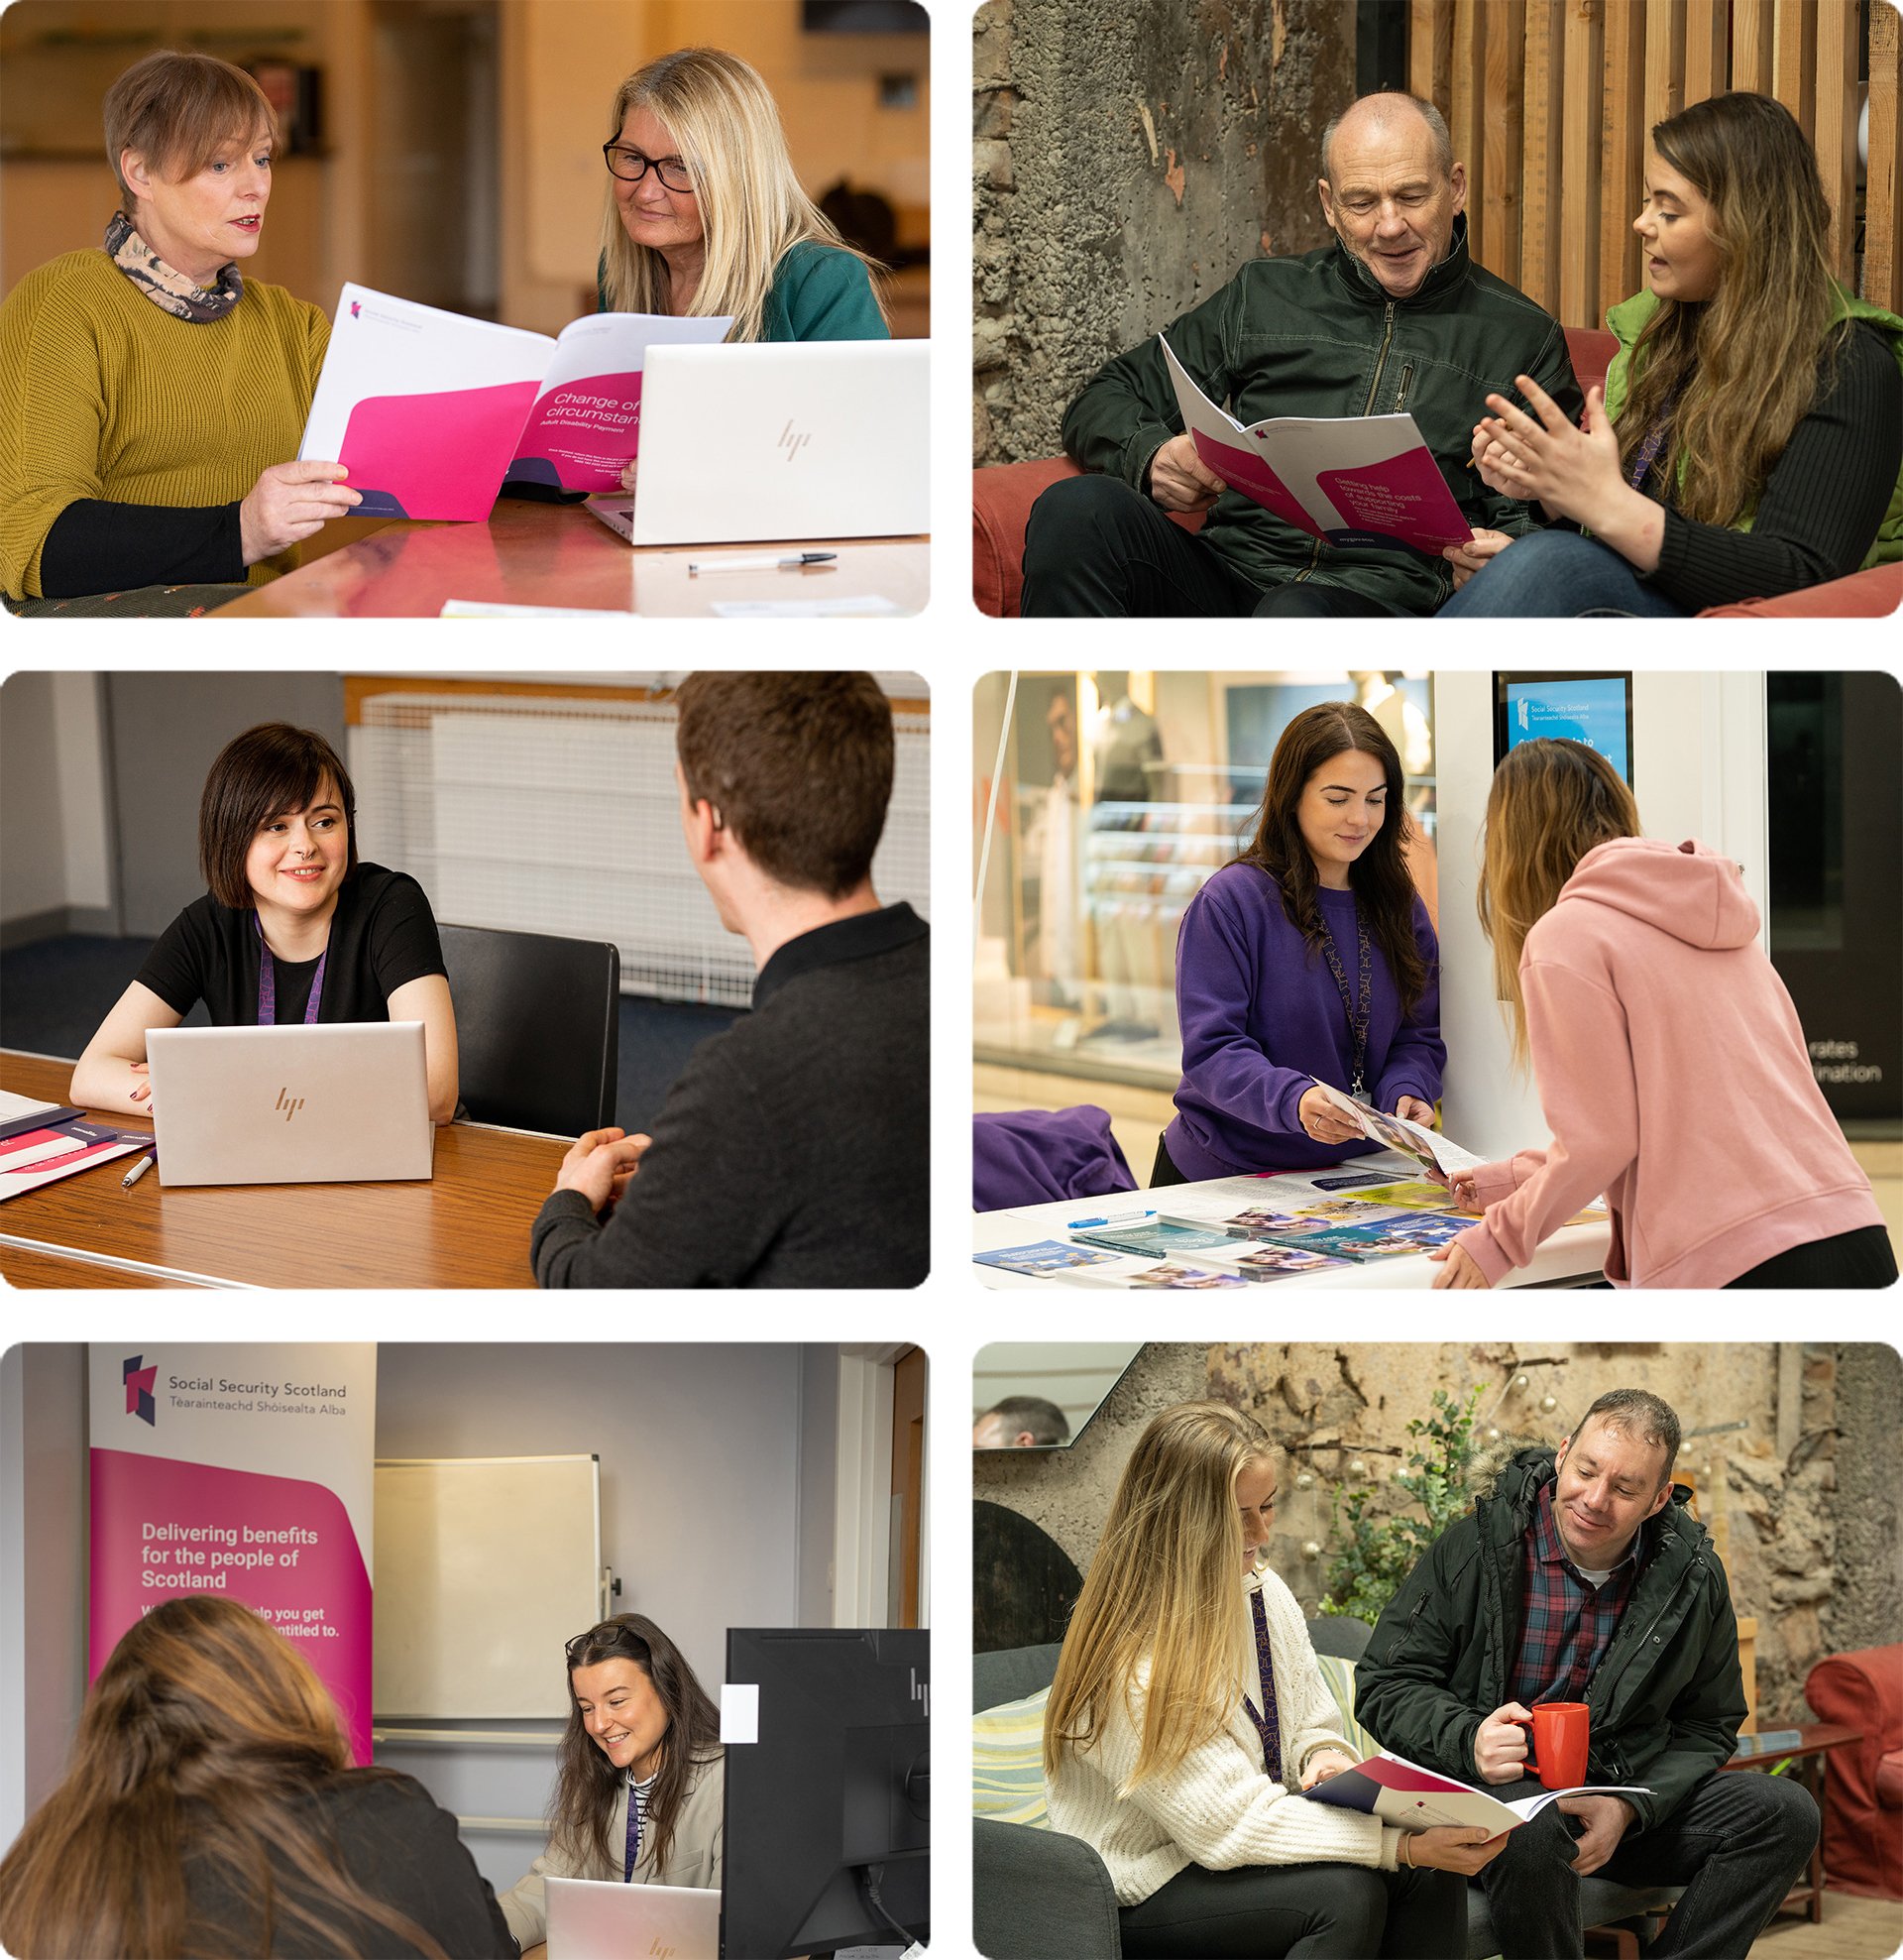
{"points": [[1669, 1059], [148, 394], [210, 1807], [292, 925]]}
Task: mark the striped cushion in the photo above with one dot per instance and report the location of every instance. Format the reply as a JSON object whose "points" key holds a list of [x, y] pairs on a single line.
{"points": [[1339, 1674], [1007, 1762]]}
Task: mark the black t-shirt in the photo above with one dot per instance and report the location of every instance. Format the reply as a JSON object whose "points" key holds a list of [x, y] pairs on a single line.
{"points": [[383, 935]]}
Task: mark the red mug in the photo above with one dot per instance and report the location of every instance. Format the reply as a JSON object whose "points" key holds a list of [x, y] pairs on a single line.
{"points": [[1560, 1733]]}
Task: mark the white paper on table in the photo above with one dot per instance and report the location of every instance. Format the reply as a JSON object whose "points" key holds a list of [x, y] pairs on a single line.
{"points": [[1348, 479], [869, 606], [13, 1107]]}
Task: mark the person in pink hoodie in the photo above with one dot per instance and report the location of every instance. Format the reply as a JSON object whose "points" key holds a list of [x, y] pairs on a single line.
{"points": [[1671, 1066]]}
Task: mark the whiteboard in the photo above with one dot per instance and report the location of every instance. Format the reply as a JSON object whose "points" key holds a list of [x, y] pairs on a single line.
{"points": [[484, 1566]]}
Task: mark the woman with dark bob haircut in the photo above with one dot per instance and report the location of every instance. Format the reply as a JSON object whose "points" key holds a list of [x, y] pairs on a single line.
{"points": [[293, 928], [1308, 959], [643, 1777], [210, 1808], [154, 399]]}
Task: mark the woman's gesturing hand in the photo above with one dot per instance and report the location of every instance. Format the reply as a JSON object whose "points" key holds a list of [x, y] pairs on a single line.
{"points": [[1574, 471], [1325, 1124], [1455, 1848], [289, 502]]}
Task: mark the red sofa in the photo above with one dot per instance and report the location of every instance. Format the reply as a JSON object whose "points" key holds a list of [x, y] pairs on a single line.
{"points": [[1002, 497], [1863, 1784]]}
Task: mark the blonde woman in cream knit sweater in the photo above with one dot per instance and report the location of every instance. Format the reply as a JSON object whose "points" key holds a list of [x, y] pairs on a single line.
{"points": [[1188, 1715]]}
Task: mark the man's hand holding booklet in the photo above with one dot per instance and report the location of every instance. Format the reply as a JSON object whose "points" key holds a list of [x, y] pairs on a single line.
{"points": [[1403, 1794]]}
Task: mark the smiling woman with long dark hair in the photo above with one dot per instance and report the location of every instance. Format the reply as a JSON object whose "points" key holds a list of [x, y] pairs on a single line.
{"points": [[1311, 957], [210, 1808], [642, 1776]]}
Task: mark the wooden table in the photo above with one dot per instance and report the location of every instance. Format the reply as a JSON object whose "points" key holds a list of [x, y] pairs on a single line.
{"points": [[556, 554], [1814, 1742], [468, 1225]]}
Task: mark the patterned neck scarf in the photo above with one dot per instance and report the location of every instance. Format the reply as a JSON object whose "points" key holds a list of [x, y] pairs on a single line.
{"points": [[162, 285]]}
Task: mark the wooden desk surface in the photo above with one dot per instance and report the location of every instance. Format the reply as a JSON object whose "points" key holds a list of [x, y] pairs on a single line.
{"points": [[1814, 1739], [556, 554], [467, 1226]]}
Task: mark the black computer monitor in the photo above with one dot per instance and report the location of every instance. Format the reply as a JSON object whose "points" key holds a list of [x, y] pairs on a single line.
{"points": [[827, 1824], [1593, 707]]}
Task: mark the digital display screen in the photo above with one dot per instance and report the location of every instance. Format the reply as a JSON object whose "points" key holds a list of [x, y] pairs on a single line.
{"points": [[1594, 709]]}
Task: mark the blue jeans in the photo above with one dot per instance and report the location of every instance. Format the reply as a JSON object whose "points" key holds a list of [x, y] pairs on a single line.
{"points": [[1557, 575]]}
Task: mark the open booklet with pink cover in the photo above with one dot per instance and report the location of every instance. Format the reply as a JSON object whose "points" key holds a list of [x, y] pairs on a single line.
{"points": [[1347, 480], [430, 412], [1403, 1794]]}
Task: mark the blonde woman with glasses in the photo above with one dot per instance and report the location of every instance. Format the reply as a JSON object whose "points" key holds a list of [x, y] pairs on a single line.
{"points": [[1188, 1715], [705, 215]]}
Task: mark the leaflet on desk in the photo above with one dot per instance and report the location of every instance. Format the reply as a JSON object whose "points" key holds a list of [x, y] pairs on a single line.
{"points": [[1403, 1794], [35, 1157], [1425, 1146], [1350, 480], [430, 411]]}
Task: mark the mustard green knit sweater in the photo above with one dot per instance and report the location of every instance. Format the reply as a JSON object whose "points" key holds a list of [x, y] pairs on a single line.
{"points": [[103, 395]]}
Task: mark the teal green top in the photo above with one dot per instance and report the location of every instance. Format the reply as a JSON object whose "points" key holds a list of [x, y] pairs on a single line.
{"points": [[819, 293]]}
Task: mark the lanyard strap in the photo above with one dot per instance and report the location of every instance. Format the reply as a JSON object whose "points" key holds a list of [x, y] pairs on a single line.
{"points": [[634, 1851], [1360, 1011], [1654, 442], [1267, 1722], [268, 982]]}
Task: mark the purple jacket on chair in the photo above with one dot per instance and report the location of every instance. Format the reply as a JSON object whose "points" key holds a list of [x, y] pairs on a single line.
{"points": [[1033, 1156]]}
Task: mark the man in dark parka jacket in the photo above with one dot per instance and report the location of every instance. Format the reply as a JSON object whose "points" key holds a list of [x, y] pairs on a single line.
{"points": [[1393, 318], [1582, 1577]]}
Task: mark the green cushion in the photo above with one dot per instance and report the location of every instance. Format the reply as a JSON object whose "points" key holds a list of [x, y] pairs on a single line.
{"points": [[1007, 1748], [1007, 1762]]}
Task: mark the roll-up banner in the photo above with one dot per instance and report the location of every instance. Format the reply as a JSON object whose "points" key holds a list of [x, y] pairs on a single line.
{"points": [[246, 1471]]}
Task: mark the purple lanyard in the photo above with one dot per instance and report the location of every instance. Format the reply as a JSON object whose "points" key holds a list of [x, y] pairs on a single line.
{"points": [[1654, 444], [634, 1855], [1269, 1722], [268, 982]]}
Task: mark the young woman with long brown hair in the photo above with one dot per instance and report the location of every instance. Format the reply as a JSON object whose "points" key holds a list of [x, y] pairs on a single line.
{"points": [[642, 1776], [1750, 435], [209, 1808], [1187, 1716], [1311, 957], [1669, 1057]]}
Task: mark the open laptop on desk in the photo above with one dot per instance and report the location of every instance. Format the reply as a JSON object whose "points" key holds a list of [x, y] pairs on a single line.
{"points": [[600, 1919], [343, 1102], [770, 440]]}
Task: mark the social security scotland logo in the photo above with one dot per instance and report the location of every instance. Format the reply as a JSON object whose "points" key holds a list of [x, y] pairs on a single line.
{"points": [[139, 1397]]}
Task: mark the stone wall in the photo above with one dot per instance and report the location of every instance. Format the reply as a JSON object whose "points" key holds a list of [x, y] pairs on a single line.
{"points": [[1125, 161], [1803, 1503]]}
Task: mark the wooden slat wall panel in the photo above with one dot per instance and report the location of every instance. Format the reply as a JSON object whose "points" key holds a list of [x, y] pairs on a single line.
{"points": [[1883, 187], [1752, 23], [1467, 122], [1539, 237], [1623, 167], [1505, 135], [1584, 60], [1835, 136], [1708, 48], [1793, 58], [1431, 54], [1664, 63]]}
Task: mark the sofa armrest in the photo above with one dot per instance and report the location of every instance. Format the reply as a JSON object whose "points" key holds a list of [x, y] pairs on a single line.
{"points": [[1871, 595], [1039, 1896]]}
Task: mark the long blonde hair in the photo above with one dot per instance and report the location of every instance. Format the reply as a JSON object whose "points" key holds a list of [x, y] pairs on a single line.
{"points": [[200, 1746], [727, 125], [1551, 801], [1166, 1585], [1744, 362]]}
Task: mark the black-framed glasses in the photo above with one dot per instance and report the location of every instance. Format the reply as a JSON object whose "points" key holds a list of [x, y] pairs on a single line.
{"points": [[630, 166], [610, 1633]]}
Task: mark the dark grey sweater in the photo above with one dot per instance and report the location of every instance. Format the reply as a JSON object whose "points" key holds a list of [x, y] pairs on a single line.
{"points": [[794, 1149]]}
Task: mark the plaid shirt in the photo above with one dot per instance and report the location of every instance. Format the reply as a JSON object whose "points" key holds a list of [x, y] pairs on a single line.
{"points": [[1568, 1622]]}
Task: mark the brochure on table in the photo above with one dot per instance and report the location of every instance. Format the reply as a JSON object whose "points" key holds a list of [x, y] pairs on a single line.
{"points": [[1425, 1146], [1403, 1794], [1353, 480], [430, 411], [30, 1158]]}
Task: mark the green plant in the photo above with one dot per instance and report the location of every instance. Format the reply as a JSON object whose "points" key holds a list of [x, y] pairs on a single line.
{"points": [[1378, 1552]]}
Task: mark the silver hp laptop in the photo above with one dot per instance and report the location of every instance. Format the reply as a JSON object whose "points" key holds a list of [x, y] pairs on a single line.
{"points": [[598, 1919], [769, 441], [339, 1103]]}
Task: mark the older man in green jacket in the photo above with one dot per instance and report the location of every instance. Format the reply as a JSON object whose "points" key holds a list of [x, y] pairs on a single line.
{"points": [[1392, 318], [1581, 1575]]}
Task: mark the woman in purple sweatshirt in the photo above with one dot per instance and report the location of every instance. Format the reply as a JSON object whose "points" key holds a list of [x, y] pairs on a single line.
{"points": [[1311, 957]]}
